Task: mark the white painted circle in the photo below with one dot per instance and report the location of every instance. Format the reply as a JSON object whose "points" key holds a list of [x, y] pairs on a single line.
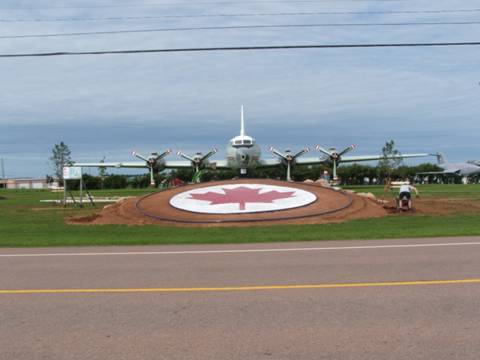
{"points": [[241, 199]]}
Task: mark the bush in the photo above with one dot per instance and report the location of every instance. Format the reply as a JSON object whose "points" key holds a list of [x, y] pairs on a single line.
{"points": [[115, 182], [354, 174]]}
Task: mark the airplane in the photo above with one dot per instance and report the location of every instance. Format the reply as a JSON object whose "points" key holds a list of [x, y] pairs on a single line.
{"points": [[334, 157], [156, 162], [243, 154], [463, 169]]}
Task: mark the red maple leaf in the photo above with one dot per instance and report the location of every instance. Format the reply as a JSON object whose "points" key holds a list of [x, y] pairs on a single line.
{"points": [[242, 195]]}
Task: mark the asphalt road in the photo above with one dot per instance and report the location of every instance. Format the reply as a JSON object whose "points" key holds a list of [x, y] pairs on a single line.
{"points": [[395, 299]]}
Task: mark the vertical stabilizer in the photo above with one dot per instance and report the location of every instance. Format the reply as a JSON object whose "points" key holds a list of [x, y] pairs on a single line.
{"points": [[440, 159], [242, 125]]}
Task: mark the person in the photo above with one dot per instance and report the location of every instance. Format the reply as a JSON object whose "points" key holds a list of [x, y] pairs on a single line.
{"points": [[326, 175], [406, 191]]}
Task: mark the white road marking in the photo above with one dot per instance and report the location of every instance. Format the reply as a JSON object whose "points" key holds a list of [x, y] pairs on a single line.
{"points": [[240, 251]]}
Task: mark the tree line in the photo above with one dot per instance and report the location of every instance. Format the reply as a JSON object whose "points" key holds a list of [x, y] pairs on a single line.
{"points": [[349, 175], [355, 174]]}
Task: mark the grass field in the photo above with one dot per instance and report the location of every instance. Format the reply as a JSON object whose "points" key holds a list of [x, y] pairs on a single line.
{"points": [[24, 222]]}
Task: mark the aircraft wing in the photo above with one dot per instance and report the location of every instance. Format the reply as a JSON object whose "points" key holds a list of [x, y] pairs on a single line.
{"points": [[131, 164], [378, 157], [310, 161], [177, 164], [218, 164], [266, 163]]}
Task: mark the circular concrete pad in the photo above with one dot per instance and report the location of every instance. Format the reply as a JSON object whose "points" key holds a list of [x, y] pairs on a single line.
{"points": [[241, 198], [330, 206], [313, 201]]}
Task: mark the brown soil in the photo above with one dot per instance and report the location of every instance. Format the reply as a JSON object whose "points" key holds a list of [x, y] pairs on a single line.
{"points": [[352, 207], [438, 206], [90, 219], [331, 206]]}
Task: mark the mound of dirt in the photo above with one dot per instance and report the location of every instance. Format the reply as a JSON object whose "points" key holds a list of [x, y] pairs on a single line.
{"points": [[332, 206], [86, 219]]}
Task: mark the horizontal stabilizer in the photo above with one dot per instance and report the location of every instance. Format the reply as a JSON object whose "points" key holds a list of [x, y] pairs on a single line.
{"points": [[449, 172]]}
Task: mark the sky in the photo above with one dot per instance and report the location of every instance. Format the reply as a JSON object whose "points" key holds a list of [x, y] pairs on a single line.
{"points": [[425, 99]]}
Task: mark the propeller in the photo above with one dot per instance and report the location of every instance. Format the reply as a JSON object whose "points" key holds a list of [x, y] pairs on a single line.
{"points": [[288, 158], [198, 160], [152, 161], [334, 156]]}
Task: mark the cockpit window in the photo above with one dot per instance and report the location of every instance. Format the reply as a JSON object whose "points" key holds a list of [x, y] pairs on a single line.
{"points": [[242, 142]]}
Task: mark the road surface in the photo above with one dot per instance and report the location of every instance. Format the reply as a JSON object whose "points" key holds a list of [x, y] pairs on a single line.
{"points": [[395, 299]]}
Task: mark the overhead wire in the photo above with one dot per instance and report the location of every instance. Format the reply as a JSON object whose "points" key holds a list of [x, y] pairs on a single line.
{"points": [[238, 27], [188, 3], [266, 14], [240, 48]]}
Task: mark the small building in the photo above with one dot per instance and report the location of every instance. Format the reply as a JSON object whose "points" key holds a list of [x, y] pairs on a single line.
{"points": [[23, 183]]}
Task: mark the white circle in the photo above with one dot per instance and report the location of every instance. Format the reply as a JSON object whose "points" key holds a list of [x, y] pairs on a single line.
{"points": [[241, 198]]}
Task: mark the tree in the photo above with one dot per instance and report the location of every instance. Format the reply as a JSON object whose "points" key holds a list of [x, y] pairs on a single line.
{"points": [[388, 163], [60, 158], [115, 182], [102, 172]]}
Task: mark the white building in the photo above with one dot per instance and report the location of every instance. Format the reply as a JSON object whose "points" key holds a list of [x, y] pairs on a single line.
{"points": [[24, 184]]}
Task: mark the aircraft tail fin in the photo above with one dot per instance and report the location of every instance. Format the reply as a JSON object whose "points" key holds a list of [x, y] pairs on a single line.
{"points": [[440, 159], [242, 124]]}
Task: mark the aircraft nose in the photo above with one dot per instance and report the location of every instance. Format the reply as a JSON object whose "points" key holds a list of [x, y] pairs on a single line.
{"points": [[243, 158]]}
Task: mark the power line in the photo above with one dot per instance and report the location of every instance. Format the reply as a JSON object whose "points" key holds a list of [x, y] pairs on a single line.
{"points": [[238, 27], [126, 18], [239, 48], [188, 3]]}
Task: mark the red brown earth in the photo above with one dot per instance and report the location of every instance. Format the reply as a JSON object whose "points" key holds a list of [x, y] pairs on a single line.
{"points": [[438, 206], [334, 206]]}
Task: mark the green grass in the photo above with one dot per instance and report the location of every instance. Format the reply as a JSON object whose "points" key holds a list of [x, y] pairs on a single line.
{"points": [[470, 191], [25, 222]]}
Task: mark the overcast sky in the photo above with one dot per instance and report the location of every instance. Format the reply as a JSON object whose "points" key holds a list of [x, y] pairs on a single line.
{"points": [[426, 99]]}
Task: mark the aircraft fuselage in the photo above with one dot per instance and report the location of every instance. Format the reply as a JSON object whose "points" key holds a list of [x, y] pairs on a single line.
{"points": [[243, 157], [463, 169]]}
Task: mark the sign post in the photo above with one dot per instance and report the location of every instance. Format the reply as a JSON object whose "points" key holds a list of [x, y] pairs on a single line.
{"points": [[72, 173]]}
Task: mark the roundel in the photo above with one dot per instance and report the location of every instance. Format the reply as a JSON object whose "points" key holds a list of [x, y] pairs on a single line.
{"points": [[241, 198]]}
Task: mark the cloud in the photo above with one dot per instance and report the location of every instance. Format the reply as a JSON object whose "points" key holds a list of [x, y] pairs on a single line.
{"points": [[426, 98]]}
